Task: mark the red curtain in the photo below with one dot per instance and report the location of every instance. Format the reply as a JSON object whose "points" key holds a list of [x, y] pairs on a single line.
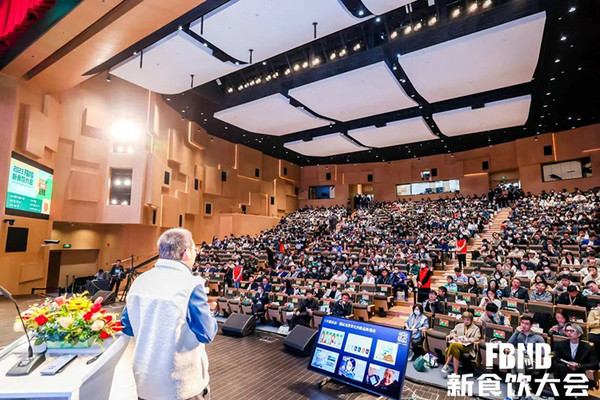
{"points": [[17, 15]]}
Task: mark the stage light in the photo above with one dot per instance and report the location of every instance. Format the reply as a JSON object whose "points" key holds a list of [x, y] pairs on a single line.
{"points": [[127, 182], [378, 19], [251, 83], [563, 38], [407, 30], [456, 13], [343, 52], [432, 21], [268, 78], [487, 3], [356, 47], [572, 9], [305, 64], [361, 12], [124, 203], [394, 34], [275, 75], [296, 67], [332, 56], [473, 7], [180, 27], [246, 85], [287, 71], [113, 201], [240, 87], [258, 80], [264, 63], [124, 131], [117, 182], [230, 90], [557, 61], [316, 61], [418, 26]]}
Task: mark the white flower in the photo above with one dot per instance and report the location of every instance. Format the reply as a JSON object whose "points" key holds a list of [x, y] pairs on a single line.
{"points": [[95, 316], [65, 322], [97, 326], [18, 326]]}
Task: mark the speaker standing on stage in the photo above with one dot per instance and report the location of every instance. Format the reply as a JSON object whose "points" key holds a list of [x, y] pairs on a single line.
{"points": [[168, 313]]}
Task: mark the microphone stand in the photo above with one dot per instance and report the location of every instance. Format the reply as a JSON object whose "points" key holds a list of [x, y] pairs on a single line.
{"points": [[31, 362]]}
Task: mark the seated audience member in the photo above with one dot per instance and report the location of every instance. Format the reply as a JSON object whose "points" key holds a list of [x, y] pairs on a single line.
{"points": [[303, 314], [473, 287], [459, 277], [333, 292], [417, 323], [591, 289], [524, 272], [369, 278], [100, 274], [572, 356], [433, 304], [592, 275], [252, 284], [569, 259], [260, 300], [400, 283], [493, 316], [524, 335], [573, 297], [462, 340], [317, 291], [287, 287], [281, 273], [593, 323], [355, 277], [442, 294], [498, 277], [548, 276], [343, 307], [479, 277], [563, 282], [515, 290], [266, 285], [541, 294], [384, 278], [490, 298], [558, 329], [450, 285], [494, 287], [340, 278]]}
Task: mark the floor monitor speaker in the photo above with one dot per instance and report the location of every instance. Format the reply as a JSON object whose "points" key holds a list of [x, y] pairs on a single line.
{"points": [[108, 296], [301, 340], [239, 325]]}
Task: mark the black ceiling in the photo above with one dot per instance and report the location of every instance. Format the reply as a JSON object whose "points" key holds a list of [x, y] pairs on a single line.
{"points": [[573, 83]]}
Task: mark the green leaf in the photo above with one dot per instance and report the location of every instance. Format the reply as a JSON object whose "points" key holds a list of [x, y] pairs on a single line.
{"points": [[39, 341]]}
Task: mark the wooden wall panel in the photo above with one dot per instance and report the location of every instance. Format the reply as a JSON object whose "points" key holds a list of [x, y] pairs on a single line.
{"points": [[84, 186]]}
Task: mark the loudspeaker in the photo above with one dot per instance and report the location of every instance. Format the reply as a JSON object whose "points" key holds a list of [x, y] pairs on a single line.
{"points": [[239, 325], [109, 296], [434, 172], [301, 340]]}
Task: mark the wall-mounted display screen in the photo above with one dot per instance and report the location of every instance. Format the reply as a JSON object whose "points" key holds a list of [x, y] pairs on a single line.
{"points": [[574, 169], [408, 189], [321, 192], [29, 191], [371, 357]]}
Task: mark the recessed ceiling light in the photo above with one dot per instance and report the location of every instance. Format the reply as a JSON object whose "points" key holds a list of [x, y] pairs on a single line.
{"points": [[487, 3], [378, 19], [456, 13], [418, 26], [432, 21], [473, 7], [305, 64], [557, 60], [394, 34], [407, 30], [563, 38], [168, 99], [572, 9], [361, 12], [264, 63], [180, 27]]}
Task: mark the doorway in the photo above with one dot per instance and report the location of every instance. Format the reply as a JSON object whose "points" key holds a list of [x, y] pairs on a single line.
{"points": [[53, 270]]}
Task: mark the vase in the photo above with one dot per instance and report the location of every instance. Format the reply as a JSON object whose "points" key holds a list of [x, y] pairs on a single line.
{"points": [[68, 345]]}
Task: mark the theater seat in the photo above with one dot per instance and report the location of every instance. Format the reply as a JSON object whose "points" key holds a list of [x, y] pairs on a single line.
{"points": [[234, 306], [274, 314], [223, 306], [318, 318], [382, 303], [436, 341], [361, 312]]}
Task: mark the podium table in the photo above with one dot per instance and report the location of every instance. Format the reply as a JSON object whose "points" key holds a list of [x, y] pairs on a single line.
{"points": [[77, 381]]}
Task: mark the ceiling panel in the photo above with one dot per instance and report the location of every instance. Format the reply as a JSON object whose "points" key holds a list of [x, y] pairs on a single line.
{"points": [[168, 65], [363, 92], [270, 27], [327, 145], [502, 56], [394, 133], [379, 7], [271, 115], [496, 115]]}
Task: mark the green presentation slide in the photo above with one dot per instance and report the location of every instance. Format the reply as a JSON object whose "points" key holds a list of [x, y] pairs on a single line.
{"points": [[29, 188]]}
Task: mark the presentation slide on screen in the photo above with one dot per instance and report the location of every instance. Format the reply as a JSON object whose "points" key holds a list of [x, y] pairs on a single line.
{"points": [[369, 356], [29, 188]]}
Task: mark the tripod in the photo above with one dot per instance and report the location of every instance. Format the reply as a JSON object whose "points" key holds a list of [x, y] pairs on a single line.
{"points": [[131, 275]]}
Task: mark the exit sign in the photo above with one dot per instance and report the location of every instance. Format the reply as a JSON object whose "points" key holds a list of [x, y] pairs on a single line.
{"points": [[67, 245]]}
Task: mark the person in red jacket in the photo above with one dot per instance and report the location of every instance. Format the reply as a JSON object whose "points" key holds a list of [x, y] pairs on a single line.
{"points": [[461, 251], [238, 275], [424, 281]]}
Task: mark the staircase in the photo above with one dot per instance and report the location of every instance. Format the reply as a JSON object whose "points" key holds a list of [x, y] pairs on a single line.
{"points": [[402, 309]]}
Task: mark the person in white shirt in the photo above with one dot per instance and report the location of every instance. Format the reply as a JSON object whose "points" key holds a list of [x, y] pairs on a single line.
{"points": [[369, 278], [339, 277]]}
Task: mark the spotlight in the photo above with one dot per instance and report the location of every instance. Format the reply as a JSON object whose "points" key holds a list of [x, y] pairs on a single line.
{"points": [[251, 83], [180, 27], [230, 90], [563, 38], [240, 87], [394, 34], [264, 63], [456, 13], [557, 61], [407, 30], [118, 182], [487, 3], [432, 21], [343, 52], [246, 85], [296, 67], [268, 78], [418, 26], [127, 182], [332, 56], [316, 61], [113, 201], [473, 7], [287, 71], [572, 9], [124, 203], [275, 75], [378, 19], [361, 12], [108, 78], [258, 80], [305, 64], [356, 47]]}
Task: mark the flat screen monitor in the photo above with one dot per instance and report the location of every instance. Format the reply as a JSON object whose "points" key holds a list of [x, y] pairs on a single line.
{"points": [[29, 189], [368, 356]]}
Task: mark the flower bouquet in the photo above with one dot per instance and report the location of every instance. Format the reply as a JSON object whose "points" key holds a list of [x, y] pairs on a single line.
{"points": [[70, 322]]}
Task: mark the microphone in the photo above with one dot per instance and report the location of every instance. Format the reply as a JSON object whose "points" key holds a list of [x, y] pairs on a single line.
{"points": [[31, 362]]}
